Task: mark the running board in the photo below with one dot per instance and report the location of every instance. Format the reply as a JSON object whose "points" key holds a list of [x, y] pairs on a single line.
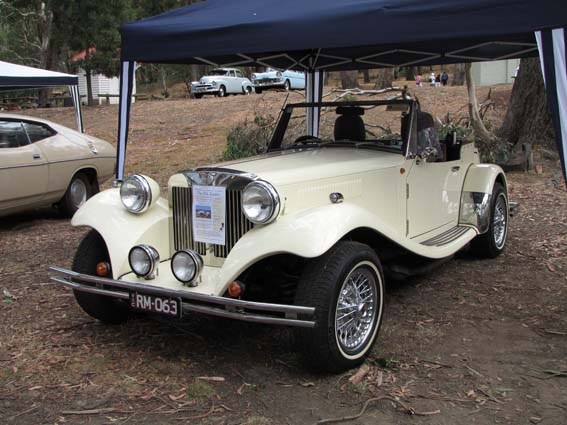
{"points": [[446, 237]]}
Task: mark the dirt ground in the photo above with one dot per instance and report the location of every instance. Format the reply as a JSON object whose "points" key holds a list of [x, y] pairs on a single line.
{"points": [[476, 342]]}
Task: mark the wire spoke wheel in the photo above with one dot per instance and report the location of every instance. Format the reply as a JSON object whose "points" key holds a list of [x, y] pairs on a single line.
{"points": [[500, 218], [356, 309]]}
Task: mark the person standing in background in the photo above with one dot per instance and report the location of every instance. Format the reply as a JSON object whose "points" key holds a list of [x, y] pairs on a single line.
{"points": [[418, 80], [444, 78]]}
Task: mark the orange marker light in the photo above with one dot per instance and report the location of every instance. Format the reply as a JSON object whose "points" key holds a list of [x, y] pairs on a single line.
{"points": [[402, 170], [235, 289], [103, 269]]}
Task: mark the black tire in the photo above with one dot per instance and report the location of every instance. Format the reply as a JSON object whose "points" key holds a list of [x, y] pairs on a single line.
{"points": [[287, 85], [320, 285], [198, 95], [79, 190], [258, 90], [248, 90], [222, 91], [491, 244], [92, 250]]}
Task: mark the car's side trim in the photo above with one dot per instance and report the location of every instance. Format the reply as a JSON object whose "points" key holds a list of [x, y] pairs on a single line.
{"points": [[43, 164], [250, 311]]}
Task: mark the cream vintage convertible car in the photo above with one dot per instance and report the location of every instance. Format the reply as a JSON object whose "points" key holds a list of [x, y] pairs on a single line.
{"points": [[304, 235], [43, 163]]}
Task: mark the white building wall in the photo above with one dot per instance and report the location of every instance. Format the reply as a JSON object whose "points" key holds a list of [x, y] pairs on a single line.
{"points": [[494, 72], [101, 85]]}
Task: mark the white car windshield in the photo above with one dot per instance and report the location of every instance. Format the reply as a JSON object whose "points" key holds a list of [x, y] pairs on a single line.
{"points": [[349, 124], [218, 72]]}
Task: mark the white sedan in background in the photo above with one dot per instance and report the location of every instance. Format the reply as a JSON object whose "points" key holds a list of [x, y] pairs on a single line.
{"points": [[43, 163], [220, 82]]}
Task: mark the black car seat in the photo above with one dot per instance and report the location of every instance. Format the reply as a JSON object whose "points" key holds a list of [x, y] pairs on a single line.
{"points": [[349, 124]]}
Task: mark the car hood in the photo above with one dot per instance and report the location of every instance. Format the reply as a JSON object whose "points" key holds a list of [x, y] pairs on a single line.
{"points": [[296, 166], [269, 74], [208, 79]]}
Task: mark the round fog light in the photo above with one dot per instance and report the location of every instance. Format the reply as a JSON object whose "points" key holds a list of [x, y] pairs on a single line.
{"points": [[186, 266], [143, 261]]}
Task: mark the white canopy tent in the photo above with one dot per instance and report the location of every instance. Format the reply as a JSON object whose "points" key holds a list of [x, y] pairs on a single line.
{"points": [[19, 77]]}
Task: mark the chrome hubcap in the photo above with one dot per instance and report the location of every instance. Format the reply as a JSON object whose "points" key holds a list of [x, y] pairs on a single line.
{"points": [[78, 193], [356, 309], [500, 221]]}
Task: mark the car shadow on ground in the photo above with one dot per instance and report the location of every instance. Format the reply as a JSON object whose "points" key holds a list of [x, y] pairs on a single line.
{"points": [[30, 218]]}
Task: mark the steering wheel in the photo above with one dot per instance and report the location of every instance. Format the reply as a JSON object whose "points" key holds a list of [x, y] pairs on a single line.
{"points": [[305, 139]]}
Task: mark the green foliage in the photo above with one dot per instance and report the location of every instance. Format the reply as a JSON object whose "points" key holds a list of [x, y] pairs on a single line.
{"points": [[249, 138]]}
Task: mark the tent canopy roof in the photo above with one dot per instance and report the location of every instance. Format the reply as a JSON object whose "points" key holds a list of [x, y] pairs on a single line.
{"points": [[341, 34], [15, 77]]}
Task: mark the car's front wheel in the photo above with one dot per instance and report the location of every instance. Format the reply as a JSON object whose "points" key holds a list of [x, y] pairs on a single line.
{"points": [[287, 85], [346, 287], [258, 90], [79, 190], [491, 244], [92, 251], [222, 91]]}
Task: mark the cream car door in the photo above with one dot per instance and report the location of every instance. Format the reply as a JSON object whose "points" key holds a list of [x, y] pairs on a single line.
{"points": [[433, 195], [23, 168]]}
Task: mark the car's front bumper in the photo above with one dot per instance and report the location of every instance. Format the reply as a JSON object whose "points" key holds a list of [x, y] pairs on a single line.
{"points": [[204, 89], [269, 84], [249, 311]]}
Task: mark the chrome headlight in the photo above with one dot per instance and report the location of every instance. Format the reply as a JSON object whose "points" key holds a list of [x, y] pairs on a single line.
{"points": [[143, 261], [214, 83], [136, 194], [260, 202], [186, 266]]}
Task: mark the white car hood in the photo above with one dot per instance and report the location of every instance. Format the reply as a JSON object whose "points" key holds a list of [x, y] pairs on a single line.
{"points": [[296, 166]]}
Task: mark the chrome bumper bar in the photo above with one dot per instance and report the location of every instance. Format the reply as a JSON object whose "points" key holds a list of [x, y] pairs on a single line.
{"points": [[248, 311]]}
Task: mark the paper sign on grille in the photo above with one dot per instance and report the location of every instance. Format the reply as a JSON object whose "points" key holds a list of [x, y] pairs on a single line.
{"points": [[209, 214]]}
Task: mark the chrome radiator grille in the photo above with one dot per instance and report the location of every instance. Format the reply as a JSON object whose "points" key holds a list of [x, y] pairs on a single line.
{"points": [[236, 226]]}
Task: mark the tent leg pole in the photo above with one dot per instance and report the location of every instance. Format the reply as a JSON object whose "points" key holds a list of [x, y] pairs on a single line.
{"points": [[552, 46], [313, 94], [126, 86]]}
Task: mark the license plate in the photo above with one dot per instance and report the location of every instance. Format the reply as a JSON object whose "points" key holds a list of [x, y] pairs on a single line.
{"points": [[156, 304]]}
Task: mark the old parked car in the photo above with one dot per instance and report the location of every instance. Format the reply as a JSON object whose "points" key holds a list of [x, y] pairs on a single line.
{"points": [[272, 79], [43, 163], [304, 235], [220, 82]]}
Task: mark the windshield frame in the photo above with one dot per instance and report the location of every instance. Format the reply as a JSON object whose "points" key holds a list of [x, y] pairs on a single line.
{"points": [[281, 127]]}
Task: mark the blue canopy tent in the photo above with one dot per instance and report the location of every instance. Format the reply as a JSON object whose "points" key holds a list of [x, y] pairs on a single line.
{"points": [[329, 35], [19, 77]]}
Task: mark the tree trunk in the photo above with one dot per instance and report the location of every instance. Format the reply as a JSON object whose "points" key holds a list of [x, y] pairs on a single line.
{"points": [[366, 75], [44, 25], [411, 72], [459, 74], [349, 79], [384, 78], [89, 88], [163, 76], [528, 119], [480, 130]]}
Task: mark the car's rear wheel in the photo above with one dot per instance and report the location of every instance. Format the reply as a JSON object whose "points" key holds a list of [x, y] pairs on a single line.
{"points": [[346, 287], [248, 90], [492, 243], [222, 91], [79, 190], [92, 251]]}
